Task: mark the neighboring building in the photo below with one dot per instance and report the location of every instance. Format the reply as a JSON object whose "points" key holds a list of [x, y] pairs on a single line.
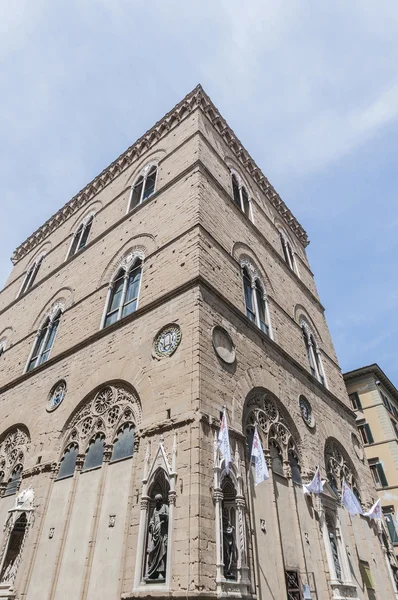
{"points": [[375, 401], [174, 284]]}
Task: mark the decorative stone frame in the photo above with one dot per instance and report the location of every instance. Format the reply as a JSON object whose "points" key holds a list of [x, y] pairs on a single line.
{"points": [[24, 505], [143, 173], [240, 587], [246, 264], [338, 466], [241, 184], [13, 450], [159, 464]]}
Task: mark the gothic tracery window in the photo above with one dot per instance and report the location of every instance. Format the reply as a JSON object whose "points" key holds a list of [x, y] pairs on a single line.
{"points": [[240, 195], [256, 301], [123, 293], [313, 353], [30, 275], [288, 252], [105, 423], [338, 467], [144, 186], [13, 450], [81, 235], [44, 340]]}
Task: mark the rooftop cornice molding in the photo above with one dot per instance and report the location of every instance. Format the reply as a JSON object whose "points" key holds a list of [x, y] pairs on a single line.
{"points": [[377, 372], [195, 99]]}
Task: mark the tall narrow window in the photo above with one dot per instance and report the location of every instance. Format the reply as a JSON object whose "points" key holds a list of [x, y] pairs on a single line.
{"points": [[14, 548], [366, 434], [388, 513], [288, 252], [81, 236], [30, 276], [123, 293], [14, 481], [333, 541], [144, 186], [95, 453], [123, 446], [44, 341], [68, 462], [395, 427], [378, 475], [255, 302], [355, 401], [313, 354], [240, 195]]}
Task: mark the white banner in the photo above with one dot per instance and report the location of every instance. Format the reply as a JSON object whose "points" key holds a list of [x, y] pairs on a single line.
{"points": [[316, 485], [260, 466], [375, 511], [350, 500], [223, 441]]}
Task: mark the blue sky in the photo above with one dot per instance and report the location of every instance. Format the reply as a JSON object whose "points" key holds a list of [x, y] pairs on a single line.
{"points": [[310, 88]]}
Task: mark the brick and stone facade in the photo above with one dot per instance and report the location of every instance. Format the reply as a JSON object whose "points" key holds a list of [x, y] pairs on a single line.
{"points": [[85, 536]]}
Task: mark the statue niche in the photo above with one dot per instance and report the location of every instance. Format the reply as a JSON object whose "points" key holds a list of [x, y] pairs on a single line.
{"points": [[157, 530], [230, 553]]}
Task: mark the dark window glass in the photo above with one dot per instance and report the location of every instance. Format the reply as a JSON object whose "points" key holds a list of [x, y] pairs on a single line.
{"points": [[355, 401], [395, 426], [137, 191], [116, 298], [150, 183], [38, 345], [76, 241], [236, 192], [95, 453], [124, 443], [247, 284], [276, 458], [309, 354], [14, 481], [333, 544], [261, 308], [293, 585], [68, 462], [391, 527], [246, 205], [45, 353], [86, 233], [366, 434], [133, 285], [294, 465], [284, 248], [14, 545]]}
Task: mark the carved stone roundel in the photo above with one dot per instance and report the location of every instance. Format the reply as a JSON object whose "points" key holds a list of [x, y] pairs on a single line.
{"points": [[223, 345], [57, 395], [167, 340], [306, 411]]}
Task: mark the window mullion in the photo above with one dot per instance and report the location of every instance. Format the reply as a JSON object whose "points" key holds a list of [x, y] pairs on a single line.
{"points": [[255, 304], [123, 296], [44, 342], [143, 188], [242, 206], [312, 354], [266, 305]]}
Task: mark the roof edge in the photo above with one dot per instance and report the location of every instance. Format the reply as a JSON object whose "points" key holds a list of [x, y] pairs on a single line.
{"points": [[197, 98], [378, 372]]}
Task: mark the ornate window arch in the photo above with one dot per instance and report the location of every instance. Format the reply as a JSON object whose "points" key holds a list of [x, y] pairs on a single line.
{"points": [[124, 289], [45, 337], [240, 194], [275, 432], [256, 299], [144, 186], [31, 274], [338, 466], [81, 235], [288, 251], [313, 352], [13, 450], [102, 417]]}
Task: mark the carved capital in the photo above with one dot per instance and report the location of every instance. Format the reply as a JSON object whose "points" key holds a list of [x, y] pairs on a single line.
{"points": [[80, 461], [144, 504], [172, 498], [218, 496]]}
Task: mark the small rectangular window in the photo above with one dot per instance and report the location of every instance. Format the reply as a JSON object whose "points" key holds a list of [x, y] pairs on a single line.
{"points": [[378, 475], [389, 519], [395, 427], [366, 433], [355, 401], [293, 585]]}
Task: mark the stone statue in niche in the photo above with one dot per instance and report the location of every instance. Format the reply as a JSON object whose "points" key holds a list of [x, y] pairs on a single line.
{"points": [[229, 547], [157, 543]]}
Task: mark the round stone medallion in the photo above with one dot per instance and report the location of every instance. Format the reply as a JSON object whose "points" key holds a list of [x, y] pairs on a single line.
{"points": [[167, 340], [306, 411], [223, 345], [57, 395]]}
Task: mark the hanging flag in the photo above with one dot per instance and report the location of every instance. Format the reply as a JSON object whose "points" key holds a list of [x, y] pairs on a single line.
{"points": [[350, 500], [375, 511], [260, 466], [223, 441], [316, 485]]}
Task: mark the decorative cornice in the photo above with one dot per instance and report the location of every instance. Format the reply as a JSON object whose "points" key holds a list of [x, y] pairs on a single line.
{"points": [[195, 99]]}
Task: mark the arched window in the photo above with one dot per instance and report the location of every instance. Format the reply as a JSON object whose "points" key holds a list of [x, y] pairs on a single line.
{"points": [[81, 236], [338, 467], [44, 341], [240, 195], [256, 301], [14, 481], [313, 354], [68, 462], [30, 275], [123, 446], [288, 252], [144, 186], [95, 453], [333, 537], [123, 292]]}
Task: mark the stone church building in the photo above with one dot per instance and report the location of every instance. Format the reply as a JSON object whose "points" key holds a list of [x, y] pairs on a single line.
{"points": [[173, 285]]}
